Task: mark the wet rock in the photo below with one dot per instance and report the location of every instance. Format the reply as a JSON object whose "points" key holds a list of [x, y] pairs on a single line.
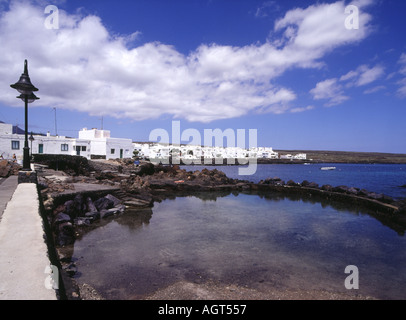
{"points": [[353, 191], [327, 187], [70, 208], [70, 269], [116, 201], [94, 215], [90, 205], [113, 211], [292, 183], [61, 218], [341, 189], [82, 221], [313, 185], [103, 204], [363, 192], [65, 234], [139, 203]]}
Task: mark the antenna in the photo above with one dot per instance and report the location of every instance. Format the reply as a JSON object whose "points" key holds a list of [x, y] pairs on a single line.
{"points": [[56, 131]]}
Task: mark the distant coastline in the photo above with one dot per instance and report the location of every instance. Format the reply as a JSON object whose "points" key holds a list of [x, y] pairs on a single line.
{"points": [[320, 157], [348, 157]]}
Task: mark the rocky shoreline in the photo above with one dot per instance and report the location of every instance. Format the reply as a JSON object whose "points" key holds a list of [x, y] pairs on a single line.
{"points": [[120, 186]]}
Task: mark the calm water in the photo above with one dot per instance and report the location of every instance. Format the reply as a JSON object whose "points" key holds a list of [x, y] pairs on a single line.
{"points": [[247, 240], [380, 178]]}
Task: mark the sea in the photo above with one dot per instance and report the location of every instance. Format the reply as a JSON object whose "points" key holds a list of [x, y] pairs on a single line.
{"points": [[264, 243]]}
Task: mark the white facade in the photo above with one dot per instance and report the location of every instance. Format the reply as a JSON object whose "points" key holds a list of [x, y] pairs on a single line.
{"points": [[102, 144], [90, 142]]}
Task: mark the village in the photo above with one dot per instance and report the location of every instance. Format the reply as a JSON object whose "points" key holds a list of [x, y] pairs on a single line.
{"points": [[98, 144]]}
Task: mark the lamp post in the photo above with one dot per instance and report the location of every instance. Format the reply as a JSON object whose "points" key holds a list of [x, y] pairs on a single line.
{"points": [[31, 138], [25, 87]]}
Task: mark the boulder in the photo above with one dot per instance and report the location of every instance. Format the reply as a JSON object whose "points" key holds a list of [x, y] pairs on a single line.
{"points": [[341, 189], [292, 183], [90, 205], [65, 234], [353, 191], [327, 187], [5, 168], [70, 208], [94, 215], [82, 221], [61, 218], [313, 185], [103, 204], [116, 201], [146, 169]]}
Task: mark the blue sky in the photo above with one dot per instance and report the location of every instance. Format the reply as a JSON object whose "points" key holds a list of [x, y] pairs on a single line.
{"points": [[292, 70]]}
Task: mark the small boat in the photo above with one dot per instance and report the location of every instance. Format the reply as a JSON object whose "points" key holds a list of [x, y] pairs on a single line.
{"points": [[328, 168]]}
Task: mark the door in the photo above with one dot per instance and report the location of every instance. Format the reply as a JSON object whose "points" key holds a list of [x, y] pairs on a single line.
{"points": [[78, 150], [121, 153], [40, 148]]}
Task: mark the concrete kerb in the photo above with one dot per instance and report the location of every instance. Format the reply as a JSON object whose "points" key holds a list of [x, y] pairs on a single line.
{"points": [[23, 250]]}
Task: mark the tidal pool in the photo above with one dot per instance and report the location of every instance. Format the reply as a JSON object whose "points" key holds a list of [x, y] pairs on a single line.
{"points": [[245, 240]]}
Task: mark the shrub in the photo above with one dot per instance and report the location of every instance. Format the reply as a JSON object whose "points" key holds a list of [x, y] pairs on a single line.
{"points": [[70, 164]]}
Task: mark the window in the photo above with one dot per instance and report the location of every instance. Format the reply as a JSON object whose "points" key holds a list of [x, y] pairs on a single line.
{"points": [[112, 151], [15, 145], [83, 148], [64, 147]]}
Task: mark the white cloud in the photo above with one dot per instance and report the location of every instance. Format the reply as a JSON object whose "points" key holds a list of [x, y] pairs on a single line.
{"points": [[81, 66], [301, 109], [402, 62], [402, 83], [330, 90], [363, 75], [374, 89], [333, 89]]}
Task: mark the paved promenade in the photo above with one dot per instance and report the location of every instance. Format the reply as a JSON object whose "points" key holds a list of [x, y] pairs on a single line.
{"points": [[7, 188], [23, 251]]}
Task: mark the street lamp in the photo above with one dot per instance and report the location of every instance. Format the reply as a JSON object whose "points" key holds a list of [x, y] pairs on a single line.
{"points": [[25, 87], [31, 139]]}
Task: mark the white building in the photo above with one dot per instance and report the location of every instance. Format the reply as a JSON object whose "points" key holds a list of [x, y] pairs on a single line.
{"points": [[90, 142], [101, 144]]}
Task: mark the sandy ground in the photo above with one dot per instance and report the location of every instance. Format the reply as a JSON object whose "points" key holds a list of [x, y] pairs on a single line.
{"points": [[213, 291]]}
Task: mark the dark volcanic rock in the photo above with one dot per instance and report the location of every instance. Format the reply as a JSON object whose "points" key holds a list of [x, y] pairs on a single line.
{"points": [[312, 185], [65, 234], [94, 215], [327, 187], [90, 205], [62, 217], [116, 201], [103, 204], [341, 189], [292, 183], [8, 168]]}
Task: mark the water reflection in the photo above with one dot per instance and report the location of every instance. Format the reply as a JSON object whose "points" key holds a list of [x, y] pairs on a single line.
{"points": [[135, 218], [259, 241]]}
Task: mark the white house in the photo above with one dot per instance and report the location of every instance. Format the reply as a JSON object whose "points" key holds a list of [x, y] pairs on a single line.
{"points": [[90, 142], [101, 144]]}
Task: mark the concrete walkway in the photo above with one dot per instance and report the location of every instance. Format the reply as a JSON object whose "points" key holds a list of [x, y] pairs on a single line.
{"points": [[7, 188], [23, 251]]}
